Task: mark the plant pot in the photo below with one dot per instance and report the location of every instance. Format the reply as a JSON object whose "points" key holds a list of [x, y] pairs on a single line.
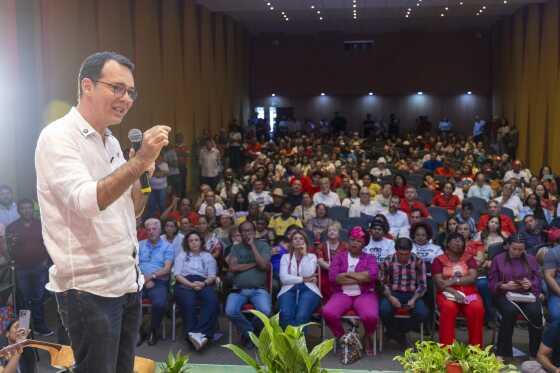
{"points": [[454, 368]]}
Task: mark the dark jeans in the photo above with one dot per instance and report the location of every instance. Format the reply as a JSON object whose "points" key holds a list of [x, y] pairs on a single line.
{"points": [[199, 309], [158, 296], [31, 283], [419, 314], [509, 314], [297, 305], [103, 331], [484, 291], [156, 202]]}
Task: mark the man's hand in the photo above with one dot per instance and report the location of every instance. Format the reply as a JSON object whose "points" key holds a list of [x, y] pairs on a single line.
{"points": [[151, 169], [150, 284], [153, 141], [411, 303], [510, 286], [394, 301], [312, 278]]}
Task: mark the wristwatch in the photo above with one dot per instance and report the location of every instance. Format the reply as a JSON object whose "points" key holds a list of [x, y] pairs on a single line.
{"points": [[154, 276]]}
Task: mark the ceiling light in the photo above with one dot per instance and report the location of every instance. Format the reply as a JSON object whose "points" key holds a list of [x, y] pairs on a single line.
{"points": [[318, 12], [283, 13], [268, 4], [354, 5], [271, 8], [320, 18], [417, 4], [505, 1], [406, 16], [287, 19], [484, 7], [461, 3], [370, 94], [273, 95], [469, 92], [446, 9], [312, 6], [322, 93], [442, 15], [419, 93]]}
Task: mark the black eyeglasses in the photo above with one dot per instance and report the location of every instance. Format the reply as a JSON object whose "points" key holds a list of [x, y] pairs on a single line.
{"points": [[120, 89]]}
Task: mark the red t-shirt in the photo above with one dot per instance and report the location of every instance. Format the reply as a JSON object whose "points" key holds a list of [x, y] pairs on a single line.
{"points": [[506, 223], [182, 154], [449, 203], [407, 207], [437, 265], [306, 184], [398, 191], [442, 171]]}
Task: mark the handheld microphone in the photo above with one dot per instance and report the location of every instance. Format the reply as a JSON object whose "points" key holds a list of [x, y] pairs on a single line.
{"points": [[135, 136]]}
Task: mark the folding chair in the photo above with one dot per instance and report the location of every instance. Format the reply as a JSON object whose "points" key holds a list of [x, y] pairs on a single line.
{"points": [[400, 313], [479, 204], [352, 317], [338, 213], [425, 195], [439, 214], [509, 212]]}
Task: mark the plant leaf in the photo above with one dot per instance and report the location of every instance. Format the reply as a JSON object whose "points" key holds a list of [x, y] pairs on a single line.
{"points": [[243, 356]]}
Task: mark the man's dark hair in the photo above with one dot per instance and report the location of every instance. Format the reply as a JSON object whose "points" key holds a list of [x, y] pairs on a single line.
{"points": [[403, 243], [467, 205], [24, 201], [93, 64]]}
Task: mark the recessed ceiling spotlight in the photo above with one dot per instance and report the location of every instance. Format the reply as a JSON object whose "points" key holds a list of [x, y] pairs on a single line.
{"points": [[287, 19], [484, 7], [320, 18], [370, 94], [354, 5], [271, 8], [461, 3], [312, 6], [419, 93], [318, 12], [442, 15], [268, 4], [322, 93], [273, 95], [469, 92], [505, 1], [446, 8]]}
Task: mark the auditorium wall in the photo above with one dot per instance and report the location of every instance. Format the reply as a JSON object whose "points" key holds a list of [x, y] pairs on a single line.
{"points": [[191, 68], [444, 66]]}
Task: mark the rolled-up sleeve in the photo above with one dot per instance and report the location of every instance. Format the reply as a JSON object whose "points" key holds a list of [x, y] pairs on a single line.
{"points": [[211, 265], [61, 170]]}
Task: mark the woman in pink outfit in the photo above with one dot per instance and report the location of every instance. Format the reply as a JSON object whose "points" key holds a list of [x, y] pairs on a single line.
{"points": [[353, 274]]}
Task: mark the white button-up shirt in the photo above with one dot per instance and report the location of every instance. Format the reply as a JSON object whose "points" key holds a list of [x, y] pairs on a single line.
{"points": [[92, 250], [8, 214], [331, 199]]}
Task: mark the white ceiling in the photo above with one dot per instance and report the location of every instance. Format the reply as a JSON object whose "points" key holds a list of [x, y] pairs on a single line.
{"points": [[372, 15]]}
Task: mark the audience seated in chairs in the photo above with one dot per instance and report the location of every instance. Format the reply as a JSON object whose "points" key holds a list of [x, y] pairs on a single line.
{"points": [[551, 267], [353, 274], [397, 219], [455, 275], [516, 272], [156, 258], [299, 296], [195, 272], [534, 234], [403, 276], [249, 262]]}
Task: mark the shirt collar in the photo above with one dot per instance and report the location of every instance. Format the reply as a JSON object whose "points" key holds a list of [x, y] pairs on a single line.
{"points": [[83, 125]]}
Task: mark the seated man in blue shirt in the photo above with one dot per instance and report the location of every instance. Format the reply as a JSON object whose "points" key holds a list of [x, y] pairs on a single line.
{"points": [[156, 258], [249, 262]]}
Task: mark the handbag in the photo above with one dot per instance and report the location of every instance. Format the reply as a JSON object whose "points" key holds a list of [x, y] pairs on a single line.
{"points": [[521, 297], [350, 347]]}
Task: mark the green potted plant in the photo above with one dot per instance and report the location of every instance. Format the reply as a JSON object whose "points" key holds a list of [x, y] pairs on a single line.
{"points": [[175, 363], [283, 351], [432, 357]]}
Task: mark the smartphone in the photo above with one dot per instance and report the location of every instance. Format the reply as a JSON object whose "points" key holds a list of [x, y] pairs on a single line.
{"points": [[24, 319]]}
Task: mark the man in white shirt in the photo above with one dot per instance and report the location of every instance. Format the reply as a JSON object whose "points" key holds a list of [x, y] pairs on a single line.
{"points": [[365, 206], [509, 199], [325, 196], [381, 169], [259, 195], [481, 189], [398, 220], [8, 208], [209, 159], [518, 173], [89, 196], [210, 200], [379, 246]]}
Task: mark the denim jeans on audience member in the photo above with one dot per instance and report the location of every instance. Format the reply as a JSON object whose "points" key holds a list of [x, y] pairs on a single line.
{"points": [[419, 314], [103, 331], [31, 283], [259, 298], [554, 307], [158, 297], [156, 202], [199, 308], [484, 291], [297, 305]]}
